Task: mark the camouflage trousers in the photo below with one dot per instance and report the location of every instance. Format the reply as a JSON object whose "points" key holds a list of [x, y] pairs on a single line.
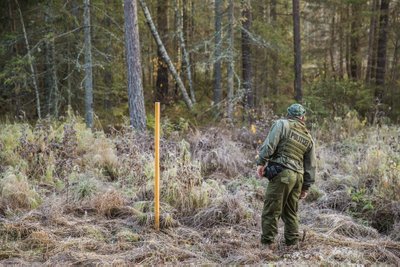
{"points": [[281, 200]]}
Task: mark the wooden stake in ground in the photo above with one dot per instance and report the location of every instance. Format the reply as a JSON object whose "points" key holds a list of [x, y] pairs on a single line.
{"points": [[157, 167]]}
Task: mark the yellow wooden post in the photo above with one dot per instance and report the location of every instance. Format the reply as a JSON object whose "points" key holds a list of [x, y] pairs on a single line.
{"points": [[157, 167]]}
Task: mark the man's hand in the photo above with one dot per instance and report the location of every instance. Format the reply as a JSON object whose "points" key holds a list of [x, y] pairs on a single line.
{"points": [[303, 194], [260, 171]]}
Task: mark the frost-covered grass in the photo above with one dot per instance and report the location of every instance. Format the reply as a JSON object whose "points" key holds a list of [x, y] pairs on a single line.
{"points": [[70, 195]]}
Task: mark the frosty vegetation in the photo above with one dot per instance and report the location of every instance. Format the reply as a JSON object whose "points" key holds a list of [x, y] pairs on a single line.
{"points": [[73, 196]]}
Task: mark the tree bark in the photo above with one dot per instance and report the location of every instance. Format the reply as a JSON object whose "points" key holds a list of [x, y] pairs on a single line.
{"points": [[332, 44], [162, 69], [30, 59], [51, 69], [382, 46], [185, 54], [297, 51], [355, 60], [372, 40], [108, 73], [341, 45], [217, 53], [246, 55], [231, 38], [137, 112], [88, 66], [164, 54]]}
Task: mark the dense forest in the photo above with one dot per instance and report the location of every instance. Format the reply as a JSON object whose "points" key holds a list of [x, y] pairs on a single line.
{"points": [[78, 82], [230, 58]]}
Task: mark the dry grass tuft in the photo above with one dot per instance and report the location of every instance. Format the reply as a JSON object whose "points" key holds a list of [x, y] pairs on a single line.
{"points": [[108, 203], [344, 225], [16, 192], [217, 152], [226, 210]]}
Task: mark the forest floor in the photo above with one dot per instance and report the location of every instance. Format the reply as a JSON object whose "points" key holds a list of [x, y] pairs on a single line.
{"points": [[69, 196]]}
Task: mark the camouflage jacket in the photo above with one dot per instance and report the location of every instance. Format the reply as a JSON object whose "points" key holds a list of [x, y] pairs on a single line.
{"points": [[277, 137]]}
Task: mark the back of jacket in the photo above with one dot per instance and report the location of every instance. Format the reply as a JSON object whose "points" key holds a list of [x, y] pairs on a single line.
{"points": [[290, 144]]}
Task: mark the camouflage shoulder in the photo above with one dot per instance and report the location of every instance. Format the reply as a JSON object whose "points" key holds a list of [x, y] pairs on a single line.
{"points": [[283, 123]]}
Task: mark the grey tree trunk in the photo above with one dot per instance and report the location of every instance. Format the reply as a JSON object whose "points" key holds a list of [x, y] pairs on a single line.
{"points": [[341, 45], [51, 69], [332, 44], [231, 38], [382, 47], [246, 55], [164, 54], [297, 51], [30, 59], [137, 111], [355, 31], [108, 72], [55, 80], [88, 66], [217, 53], [185, 54], [372, 40]]}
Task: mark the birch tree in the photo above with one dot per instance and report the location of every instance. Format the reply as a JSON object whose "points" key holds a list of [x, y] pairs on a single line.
{"points": [[164, 54]]}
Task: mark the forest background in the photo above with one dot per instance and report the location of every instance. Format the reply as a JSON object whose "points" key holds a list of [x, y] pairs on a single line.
{"points": [[234, 58]]}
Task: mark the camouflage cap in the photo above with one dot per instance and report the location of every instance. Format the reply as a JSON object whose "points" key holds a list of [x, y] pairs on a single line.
{"points": [[296, 110]]}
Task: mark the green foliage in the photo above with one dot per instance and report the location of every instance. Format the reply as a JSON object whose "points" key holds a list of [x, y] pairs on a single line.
{"points": [[322, 98]]}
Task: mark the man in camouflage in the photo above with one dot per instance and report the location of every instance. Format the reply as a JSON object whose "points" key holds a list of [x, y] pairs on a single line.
{"points": [[289, 152]]}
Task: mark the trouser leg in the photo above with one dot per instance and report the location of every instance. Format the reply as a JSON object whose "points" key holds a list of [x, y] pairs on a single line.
{"points": [[275, 200], [289, 212]]}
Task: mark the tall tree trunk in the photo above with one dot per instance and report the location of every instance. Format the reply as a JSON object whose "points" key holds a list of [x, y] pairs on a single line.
{"points": [[51, 69], [185, 54], [231, 38], [246, 55], [372, 40], [332, 44], [162, 69], [341, 45], [30, 59], [355, 31], [55, 79], [348, 31], [382, 45], [47, 51], [274, 52], [108, 74], [217, 53], [297, 51], [88, 65], [164, 54], [137, 111]]}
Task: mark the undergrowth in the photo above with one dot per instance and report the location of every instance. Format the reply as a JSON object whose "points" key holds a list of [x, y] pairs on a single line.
{"points": [[69, 194]]}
